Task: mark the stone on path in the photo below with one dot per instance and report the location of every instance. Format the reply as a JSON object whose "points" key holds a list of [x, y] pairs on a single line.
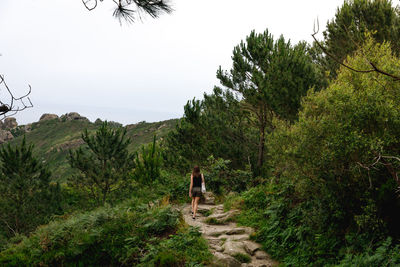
{"points": [[209, 198], [234, 247], [236, 231], [225, 260], [261, 255], [251, 247]]}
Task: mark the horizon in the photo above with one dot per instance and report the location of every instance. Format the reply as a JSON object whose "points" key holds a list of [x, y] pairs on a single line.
{"points": [[146, 71]]}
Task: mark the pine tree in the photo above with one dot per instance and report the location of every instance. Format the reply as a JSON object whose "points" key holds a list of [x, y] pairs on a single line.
{"points": [[148, 163], [27, 197], [270, 77], [104, 163]]}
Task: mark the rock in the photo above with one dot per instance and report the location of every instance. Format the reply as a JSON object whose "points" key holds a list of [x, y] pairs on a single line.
{"points": [[261, 255], [209, 198], [236, 231], [232, 248], [5, 136], [28, 127], [216, 232], [251, 247], [224, 260], [73, 116], [225, 217], [9, 123], [162, 126], [235, 237], [48, 116]]}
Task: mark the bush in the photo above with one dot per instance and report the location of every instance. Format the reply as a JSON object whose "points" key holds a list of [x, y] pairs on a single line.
{"points": [[219, 177]]}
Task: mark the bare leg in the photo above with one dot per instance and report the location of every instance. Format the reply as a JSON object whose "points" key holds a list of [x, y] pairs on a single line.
{"points": [[192, 204], [196, 204]]}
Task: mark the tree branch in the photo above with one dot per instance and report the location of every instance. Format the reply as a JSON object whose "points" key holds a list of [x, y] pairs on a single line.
{"points": [[16, 104]]}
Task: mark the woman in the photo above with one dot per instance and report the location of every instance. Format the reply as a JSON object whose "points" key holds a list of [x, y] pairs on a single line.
{"points": [[195, 189]]}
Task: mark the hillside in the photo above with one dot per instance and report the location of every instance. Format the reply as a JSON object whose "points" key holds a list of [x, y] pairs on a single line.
{"points": [[53, 138]]}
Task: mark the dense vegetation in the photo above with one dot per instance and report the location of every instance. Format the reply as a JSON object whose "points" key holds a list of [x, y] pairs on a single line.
{"points": [[307, 150]]}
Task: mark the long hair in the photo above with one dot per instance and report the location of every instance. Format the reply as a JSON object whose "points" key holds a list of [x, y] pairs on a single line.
{"points": [[196, 171]]}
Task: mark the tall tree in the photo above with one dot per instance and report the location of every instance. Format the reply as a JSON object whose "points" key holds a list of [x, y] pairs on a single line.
{"points": [[347, 31], [270, 77], [104, 163], [26, 194]]}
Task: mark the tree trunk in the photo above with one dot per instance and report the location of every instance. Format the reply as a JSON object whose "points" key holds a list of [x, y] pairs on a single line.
{"points": [[261, 146]]}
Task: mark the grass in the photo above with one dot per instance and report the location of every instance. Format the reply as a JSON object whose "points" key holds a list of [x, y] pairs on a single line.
{"points": [[214, 221], [243, 258]]}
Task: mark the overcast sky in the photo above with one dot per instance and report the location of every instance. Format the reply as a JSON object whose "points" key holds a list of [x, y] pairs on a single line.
{"points": [[86, 62]]}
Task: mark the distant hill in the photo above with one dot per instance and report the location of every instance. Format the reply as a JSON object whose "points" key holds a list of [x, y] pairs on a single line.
{"points": [[53, 137]]}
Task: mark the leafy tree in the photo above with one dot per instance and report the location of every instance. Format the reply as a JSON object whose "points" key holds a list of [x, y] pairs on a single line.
{"points": [[104, 164], [343, 154], [148, 163], [347, 31], [271, 77], [27, 197]]}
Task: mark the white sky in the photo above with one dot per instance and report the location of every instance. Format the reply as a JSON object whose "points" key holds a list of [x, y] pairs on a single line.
{"points": [[86, 62]]}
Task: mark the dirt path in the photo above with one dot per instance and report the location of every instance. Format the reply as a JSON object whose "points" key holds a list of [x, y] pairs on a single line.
{"points": [[230, 244]]}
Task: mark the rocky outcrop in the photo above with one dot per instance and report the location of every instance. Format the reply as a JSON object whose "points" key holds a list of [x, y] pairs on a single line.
{"points": [[5, 136], [9, 123], [73, 116], [48, 116]]}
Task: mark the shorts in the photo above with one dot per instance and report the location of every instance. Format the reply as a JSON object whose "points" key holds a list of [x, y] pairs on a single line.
{"points": [[196, 192]]}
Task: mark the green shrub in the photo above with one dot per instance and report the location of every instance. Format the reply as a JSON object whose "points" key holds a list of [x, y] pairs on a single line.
{"points": [[148, 163]]}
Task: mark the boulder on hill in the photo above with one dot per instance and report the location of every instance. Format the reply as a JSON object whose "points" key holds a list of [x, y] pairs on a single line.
{"points": [[5, 136], [48, 116], [9, 123], [73, 116]]}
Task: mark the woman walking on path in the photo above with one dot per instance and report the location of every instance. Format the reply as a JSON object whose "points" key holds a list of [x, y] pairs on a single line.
{"points": [[196, 179]]}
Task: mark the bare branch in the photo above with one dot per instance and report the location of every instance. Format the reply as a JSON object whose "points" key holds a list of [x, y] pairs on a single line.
{"points": [[16, 104]]}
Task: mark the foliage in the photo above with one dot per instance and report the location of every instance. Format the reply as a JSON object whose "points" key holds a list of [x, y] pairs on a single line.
{"points": [[186, 246], [148, 163], [104, 164], [346, 32], [383, 255], [27, 197], [131, 233], [270, 77], [332, 198], [220, 177], [216, 125]]}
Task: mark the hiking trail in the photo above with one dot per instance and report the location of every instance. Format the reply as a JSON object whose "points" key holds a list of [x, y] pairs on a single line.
{"points": [[230, 244]]}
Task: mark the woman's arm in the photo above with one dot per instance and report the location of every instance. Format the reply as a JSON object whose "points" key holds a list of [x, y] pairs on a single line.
{"points": [[202, 179], [191, 185]]}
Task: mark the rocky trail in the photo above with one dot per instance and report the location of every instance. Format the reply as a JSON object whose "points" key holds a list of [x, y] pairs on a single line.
{"points": [[230, 244]]}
